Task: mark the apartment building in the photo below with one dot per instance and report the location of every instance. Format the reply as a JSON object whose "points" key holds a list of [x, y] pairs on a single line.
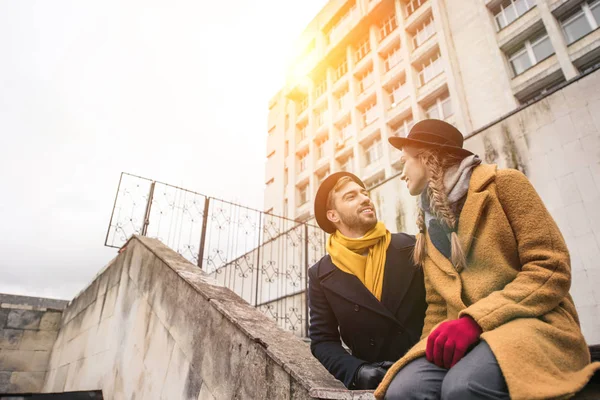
{"points": [[370, 69]]}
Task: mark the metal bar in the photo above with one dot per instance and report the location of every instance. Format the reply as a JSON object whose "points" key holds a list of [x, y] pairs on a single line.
{"points": [[203, 234], [287, 296], [258, 246], [306, 280], [113, 211], [147, 212]]}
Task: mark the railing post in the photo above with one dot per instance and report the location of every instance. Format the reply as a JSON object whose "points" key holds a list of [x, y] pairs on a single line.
{"points": [[306, 280], [203, 233], [259, 244], [148, 208], [113, 210]]}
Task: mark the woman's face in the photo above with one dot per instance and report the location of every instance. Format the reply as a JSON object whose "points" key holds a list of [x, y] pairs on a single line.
{"points": [[414, 172]]}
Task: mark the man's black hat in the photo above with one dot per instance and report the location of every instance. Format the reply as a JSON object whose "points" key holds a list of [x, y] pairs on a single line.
{"points": [[323, 194]]}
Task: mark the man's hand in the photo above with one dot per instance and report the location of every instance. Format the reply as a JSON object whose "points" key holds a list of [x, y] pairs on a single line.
{"points": [[449, 343], [368, 376]]}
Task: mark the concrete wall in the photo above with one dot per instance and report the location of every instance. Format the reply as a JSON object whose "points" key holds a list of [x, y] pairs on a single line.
{"points": [[28, 330], [556, 143], [151, 326]]}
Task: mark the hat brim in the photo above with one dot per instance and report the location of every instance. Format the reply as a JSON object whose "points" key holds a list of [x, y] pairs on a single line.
{"points": [[322, 195], [400, 143]]}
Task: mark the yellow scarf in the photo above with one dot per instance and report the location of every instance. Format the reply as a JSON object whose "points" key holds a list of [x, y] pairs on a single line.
{"points": [[346, 254]]}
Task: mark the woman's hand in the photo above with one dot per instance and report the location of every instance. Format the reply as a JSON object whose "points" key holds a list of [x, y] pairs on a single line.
{"points": [[449, 343]]}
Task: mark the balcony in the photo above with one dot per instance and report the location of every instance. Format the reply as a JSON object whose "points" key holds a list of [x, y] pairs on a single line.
{"points": [[538, 76], [371, 4], [303, 209], [344, 105], [520, 29], [373, 169], [399, 111], [585, 49], [431, 88], [369, 132], [321, 122], [426, 48], [342, 27], [302, 168], [420, 10]]}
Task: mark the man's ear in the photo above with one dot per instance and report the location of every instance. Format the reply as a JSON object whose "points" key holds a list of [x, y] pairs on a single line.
{"points": [[333, 216]]}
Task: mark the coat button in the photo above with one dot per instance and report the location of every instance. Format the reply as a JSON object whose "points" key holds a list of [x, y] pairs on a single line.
{"points": [[356, 307], [372, 342]]}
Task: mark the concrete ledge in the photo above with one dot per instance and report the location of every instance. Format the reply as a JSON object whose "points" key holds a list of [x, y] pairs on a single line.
{"points": [[31, 303], [153, 324]]}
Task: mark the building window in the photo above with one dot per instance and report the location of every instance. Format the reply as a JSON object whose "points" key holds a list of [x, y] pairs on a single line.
{"points": [[302, 162], [346, 130], [371, 183], [430, 69], [321, 177], [530, 53], [301, 133], [302, 195], [348, 164], [392, 58], [585, 19], [424, 32], [340, 70], [510, 10], [369, 113], [343, 99], [440, 109], [388, 26], [285, 208], [320, 88], [302, 105], [320, 117], [374, 152], [363, 49], [321, 149], [366, 80], [285, 177], [338, 26], [398, 92], [286, 149], [403, 127], [413, 6]]}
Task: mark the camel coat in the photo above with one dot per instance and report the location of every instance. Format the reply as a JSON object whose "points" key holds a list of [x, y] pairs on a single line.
{"points": [[516, 286]]}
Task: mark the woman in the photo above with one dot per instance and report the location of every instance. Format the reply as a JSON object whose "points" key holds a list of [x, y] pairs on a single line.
{"points": [[500, 322]]}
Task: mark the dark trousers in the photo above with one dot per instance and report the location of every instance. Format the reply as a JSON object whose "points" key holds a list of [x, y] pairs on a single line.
{"points": [[476, 376]]}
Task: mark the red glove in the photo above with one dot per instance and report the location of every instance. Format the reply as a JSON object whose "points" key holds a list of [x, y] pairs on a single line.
{"points": [[450, 341]]}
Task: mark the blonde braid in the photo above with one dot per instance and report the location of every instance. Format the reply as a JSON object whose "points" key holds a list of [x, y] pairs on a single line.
{"points": [[420, 251], [437, 164]]}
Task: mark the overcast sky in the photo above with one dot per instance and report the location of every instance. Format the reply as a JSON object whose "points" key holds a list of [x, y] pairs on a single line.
{"points": [[174, 90]]}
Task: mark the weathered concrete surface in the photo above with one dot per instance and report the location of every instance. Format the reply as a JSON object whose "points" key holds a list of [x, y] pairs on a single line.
{"points": [[28, 330], [151, 326]]}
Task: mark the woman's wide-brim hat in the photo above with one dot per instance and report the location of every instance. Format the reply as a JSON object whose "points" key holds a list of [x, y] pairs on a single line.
{"points": [[323, 194], [433, 133]]}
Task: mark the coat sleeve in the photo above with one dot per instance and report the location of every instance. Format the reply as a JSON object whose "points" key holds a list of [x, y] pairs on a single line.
{"points": [[545, 275], [436, 309], [325, 342]]}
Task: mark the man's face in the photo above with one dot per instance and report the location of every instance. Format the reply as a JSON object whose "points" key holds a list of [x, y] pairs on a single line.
{"points": [[353, 210]]}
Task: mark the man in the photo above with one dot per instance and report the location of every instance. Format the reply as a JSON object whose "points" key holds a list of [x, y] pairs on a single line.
{"points": [[366, 290]]}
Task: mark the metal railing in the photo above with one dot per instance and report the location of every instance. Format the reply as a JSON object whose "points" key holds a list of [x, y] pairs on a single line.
{"points": [[262, 257]]}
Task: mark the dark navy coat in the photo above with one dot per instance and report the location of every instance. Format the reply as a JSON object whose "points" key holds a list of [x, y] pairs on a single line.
{"points": [[341, 306]]}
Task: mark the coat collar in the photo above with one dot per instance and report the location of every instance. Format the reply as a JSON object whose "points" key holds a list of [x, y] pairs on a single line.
{"points": [[477, 198], [398, 275]]}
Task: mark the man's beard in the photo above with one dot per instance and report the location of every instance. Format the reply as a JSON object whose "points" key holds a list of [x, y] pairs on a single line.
{"points": [[356, 223]]}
